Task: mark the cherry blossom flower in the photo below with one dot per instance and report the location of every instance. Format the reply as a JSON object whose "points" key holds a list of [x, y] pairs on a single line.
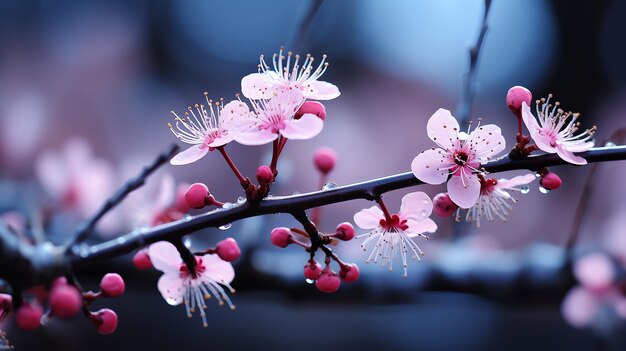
{"points": [[495, 199], [178, 285], [459, 154], [163, 205], [599, 292], [207, 128], [393, 233], [555, 131], [275, 117], [284, 75]]}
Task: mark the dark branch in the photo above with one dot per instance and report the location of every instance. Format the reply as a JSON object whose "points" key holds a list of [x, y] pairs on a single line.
{"points": [[307, 13], [130, 186], [368, 190], [469, 79]]}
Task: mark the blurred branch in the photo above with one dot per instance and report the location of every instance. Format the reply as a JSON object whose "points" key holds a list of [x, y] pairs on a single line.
{"points": [[469, 79], [307, 13]]}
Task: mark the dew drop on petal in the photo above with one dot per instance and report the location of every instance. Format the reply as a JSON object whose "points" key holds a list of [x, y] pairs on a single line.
{"points": [[329, 185], [225, 226], [525, 189], [309, 281], [544, 190], [171, 302]]}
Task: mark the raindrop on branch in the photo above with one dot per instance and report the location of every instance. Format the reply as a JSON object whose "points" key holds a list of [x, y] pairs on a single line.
{"points": [[525, 189], [329, 185], [225, 226]]}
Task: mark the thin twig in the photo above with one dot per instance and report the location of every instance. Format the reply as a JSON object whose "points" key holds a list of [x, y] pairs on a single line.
{"points": [[307, 13]]}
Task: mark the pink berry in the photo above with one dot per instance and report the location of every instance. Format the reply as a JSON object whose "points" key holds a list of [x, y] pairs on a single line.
{"points": [[344, 231], [516, 96], [65, 301], [551, 181], [264, 175], [312, 270], [28, 316], [141, 260], [350, 273], [112, 285], [325, 159], [105, 321], [228, 250], [58, 281], [196, 196], [443, 205], [313, 107], [281, 237], [328, 282]]}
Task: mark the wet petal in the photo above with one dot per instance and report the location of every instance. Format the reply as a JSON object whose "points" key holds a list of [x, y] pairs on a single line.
{"points": [[190, 155], [165, 257], [308, 126], [171, 288], [426, 166], [464, 190], [416, 205], [442, 128], [369, 218]]}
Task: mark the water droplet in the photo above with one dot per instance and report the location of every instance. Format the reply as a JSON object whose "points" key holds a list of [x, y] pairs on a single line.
{"points": [[144, 228], [225, 226], [227, 205], [121, 239], [187, 217], [609, 144], [537, 175], [309, 281], [424, 213], [172, 301], [82, 250], [329, 185], [241, 199], [525, 189], [425, 202], [187, 242], [296, 193], [270, 195], [44, 319], [543, 190]]}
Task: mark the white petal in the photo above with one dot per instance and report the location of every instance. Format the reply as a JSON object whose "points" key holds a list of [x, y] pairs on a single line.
{"points": [[568, 156], [416, 205], [253, 86], [425, 226], [171, 288], [255, 136], [306, 127], [190, 155], [369, 218], [426, 166], [515, 181], [217, 269], [235, 114], [442, 128], [319, 90], [464, 190], [486, 141], [165, 257]]}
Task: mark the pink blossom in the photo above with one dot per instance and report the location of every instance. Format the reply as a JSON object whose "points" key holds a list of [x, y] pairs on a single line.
{"points": [[554, 131], [287, 73], [495, 199], [459, 154], [178, 285], [157, 207], [393, 233], [275, 117], [206, 128]]}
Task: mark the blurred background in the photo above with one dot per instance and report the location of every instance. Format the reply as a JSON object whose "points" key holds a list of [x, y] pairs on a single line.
{"points": [[85, 93]]}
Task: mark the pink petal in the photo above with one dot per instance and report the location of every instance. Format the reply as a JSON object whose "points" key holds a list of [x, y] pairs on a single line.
{"points": [[542, 141], [190, 155], [569, 156], [218, 269], [464, 190], [579, 307], [425, 226], [171, 288], [235, 114], [369, 218], [578, 146], [165, 257], [52, 173], [319, 90], [442, 128], [255, 136], [166, 192], [416, 205], [425, 166], [595, 272], [486, 141], [222, 140], [308, 126], [515, 181], [253, 86]]}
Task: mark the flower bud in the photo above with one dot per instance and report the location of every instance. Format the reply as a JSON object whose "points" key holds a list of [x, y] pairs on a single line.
{"points": [[516, 96], [65, 301], [105, 321], [197, 195], [141, 260], [344, 231], [328, 282], [281, 237], [264, 175], [349, 273], [313, 107], [312, 270], [443, 205], [325, 159], [112, 285], [228, 250], [28, 316], [550, 181]]}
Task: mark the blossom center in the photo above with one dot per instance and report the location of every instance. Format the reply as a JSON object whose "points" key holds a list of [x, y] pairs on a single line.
{"points": [[460, 158], [394, 223], [487, 186], [274, 123], [186, 273]]}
